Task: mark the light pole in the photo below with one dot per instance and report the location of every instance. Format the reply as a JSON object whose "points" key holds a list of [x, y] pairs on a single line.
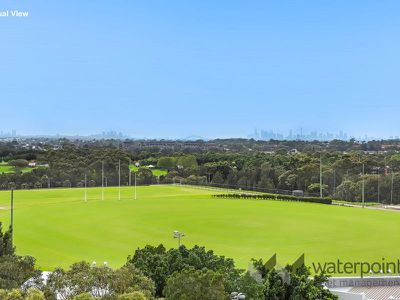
{"points": [[391, 189], [379, 185], [119, 179], [363, 185], [12, 216], [85, 188], [320, 177], [102, 180], [178, 235]]}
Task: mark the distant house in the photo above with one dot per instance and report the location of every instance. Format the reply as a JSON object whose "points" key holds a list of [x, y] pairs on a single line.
{"points": [[151, 166], [32, 164]]}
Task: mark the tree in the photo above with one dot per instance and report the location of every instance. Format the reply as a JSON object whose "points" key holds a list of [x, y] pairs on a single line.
{"points": [[217, 178], [152, 261], [188, 161], [292, 283], [129, 279], [84, 296], [250, 287], [167, 163], [14, 294], [195, 285], [100, 282], [132, 296], [145, 176], [19, 163], [15, 270], [158, 264], [315, 189], [34, 294]]}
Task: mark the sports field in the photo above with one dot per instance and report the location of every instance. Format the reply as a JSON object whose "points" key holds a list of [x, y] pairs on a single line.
{"points": [[6, 168], [58, 227], [156, 172]]}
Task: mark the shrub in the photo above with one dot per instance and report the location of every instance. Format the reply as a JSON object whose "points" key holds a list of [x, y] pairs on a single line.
{"points": [[267, 196], [132, 296]]}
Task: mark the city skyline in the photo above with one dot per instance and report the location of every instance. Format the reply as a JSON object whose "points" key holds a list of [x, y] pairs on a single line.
{"points": [[258, 134]]}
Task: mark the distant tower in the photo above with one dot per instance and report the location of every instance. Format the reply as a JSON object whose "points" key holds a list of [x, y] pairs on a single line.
{"points": [[256, 136], [14, 133]]}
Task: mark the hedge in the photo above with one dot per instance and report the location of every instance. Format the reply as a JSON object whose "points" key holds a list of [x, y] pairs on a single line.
{"points": [[266, 196]]}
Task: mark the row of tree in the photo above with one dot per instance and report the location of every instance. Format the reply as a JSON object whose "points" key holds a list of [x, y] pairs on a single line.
{"points": [[344, 174], [155, 273]]}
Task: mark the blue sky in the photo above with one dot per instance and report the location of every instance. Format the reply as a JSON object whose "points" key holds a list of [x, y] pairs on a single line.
{"points": [[208, 68]]}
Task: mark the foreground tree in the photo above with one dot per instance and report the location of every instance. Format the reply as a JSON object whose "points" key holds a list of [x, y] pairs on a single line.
{"points": [[195, 285], [159, 264], [100, 282], [292, 283], [15, 270]]}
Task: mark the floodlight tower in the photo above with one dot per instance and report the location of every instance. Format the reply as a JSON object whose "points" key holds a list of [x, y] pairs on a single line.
{"points": [[102, 180], [85, 188], [119, 179], [12, 216], [130, 172], [320, 177], [391, 188], [363, 185], [379, 185], [178, 235]]}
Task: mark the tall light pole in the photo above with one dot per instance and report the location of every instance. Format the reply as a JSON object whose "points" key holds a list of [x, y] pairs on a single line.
{"points": [[178, 235], [363, 185], [391, 189], [379, 185], [12, 216], [130, 172], [119, 179], [85, 188], [102, 180], [320, 176]]}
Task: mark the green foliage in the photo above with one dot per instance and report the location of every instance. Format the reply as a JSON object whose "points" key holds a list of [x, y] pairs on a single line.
{"points": [[145, 176], [84, 296], [315, 188], [291, 283], [195, 285], [18, 163], [83, 278], [132, 296], [167, 163], [13, 294], [158, 263], [34, 294], [6, 246], [266, 196], [15, 270], [188, 161]]}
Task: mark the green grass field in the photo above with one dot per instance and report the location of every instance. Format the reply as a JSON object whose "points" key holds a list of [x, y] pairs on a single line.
{"points": [[6, 168], [156, 172], [59, 228]]}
